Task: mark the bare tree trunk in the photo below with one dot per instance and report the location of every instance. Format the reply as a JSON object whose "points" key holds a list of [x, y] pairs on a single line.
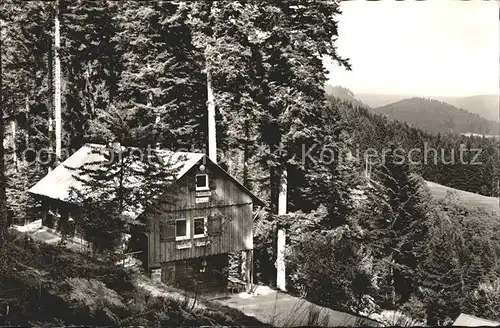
{"points": [[246, 155], [248, 270], [27, 115], [393, 287], [50, 109], [280, 260], [57, 86], [14, 148], [3, 197]]}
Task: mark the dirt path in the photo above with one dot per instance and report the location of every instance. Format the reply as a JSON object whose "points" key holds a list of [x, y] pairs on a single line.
{"points": [[159, 289], [283, 310], [265, 304]]}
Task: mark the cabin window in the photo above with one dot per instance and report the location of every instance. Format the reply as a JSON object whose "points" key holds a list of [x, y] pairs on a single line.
{"points": [[202, 182], [200, 227], [181, 229]]}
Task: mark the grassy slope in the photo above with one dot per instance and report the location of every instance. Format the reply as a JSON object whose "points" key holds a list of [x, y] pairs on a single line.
{"points": [[45, 283], [490, 203], [285, 310]]}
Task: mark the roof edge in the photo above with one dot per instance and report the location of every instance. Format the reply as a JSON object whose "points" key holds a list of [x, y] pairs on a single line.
{"points": [[256, 199], [203, 157]]}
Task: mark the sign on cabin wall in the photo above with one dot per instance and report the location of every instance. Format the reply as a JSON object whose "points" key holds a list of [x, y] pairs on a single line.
{"points": [[204, 193], [202, 200], [183, 244], [203, 196], [200, 243]]}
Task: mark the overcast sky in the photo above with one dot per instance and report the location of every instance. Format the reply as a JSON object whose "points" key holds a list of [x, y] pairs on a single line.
{"points": [[433, 48]]}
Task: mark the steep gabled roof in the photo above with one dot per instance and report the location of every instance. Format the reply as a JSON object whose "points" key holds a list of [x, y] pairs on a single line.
{"points": [[58, 183]]}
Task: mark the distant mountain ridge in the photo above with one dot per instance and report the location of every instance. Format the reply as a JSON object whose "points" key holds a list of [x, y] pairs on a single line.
{"points": [[487, 106], [376, 100], [432, 114], [345, 94], [437, 117]]}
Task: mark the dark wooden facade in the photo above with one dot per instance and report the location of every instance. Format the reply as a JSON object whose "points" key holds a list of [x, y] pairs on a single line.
{"points": [[226, 206], [56, 214]]}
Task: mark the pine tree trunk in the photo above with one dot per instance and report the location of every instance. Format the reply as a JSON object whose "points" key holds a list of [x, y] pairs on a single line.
{"points": [[14, 148], [281, 242], [282, 196], [431, 319], [273, 186], [57, 86], [121, 186], [246, 156], [393, 287], [248, 270], [27, 115], [3, 199], [50, 128]]}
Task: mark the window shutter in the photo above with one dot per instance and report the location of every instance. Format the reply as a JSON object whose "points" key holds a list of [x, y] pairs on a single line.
{"points": [[167, 229]]}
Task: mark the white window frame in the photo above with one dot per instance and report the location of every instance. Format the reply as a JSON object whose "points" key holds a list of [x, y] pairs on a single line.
{"points": [[205, 227], [206, 187], [188, 230]]}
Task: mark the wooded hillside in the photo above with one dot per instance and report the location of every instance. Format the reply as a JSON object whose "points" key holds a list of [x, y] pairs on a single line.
{"points": [[375, 131], [437, 117]]}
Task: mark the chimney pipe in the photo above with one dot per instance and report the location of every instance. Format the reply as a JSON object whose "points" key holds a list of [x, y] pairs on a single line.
{"points": [[57, 86], [212, 138]]}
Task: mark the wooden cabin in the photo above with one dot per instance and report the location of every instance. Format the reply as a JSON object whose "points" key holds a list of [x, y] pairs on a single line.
{"points": [[201, 216]]}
